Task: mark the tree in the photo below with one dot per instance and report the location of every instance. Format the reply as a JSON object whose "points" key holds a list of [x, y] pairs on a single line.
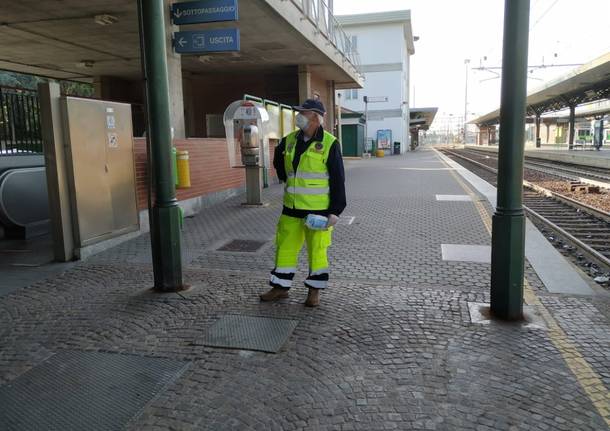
{"points": [[30, 82]]}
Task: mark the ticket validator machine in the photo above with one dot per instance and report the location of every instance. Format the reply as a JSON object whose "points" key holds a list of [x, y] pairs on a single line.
{"points": [[245, 124]]}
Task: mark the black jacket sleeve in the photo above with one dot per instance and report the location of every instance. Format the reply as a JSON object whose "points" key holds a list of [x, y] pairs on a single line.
{"points": [[336, 172], [278, 161]]}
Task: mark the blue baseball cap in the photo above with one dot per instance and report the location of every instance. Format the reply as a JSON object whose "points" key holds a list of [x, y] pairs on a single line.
{"points": [[311, 105]]}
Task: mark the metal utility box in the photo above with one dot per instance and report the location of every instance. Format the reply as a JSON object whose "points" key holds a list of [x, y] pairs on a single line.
{"points": [[101, 171]]}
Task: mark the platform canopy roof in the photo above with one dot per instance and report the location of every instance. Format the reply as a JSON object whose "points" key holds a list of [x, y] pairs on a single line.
{"points": [[80, 40], [422, 118], [587, 83]]}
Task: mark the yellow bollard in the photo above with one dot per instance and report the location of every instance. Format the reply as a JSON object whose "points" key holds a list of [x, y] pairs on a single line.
{"points": [[184, 171], [380, 153]]}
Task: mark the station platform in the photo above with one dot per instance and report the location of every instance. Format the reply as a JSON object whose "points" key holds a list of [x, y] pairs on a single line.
{"points": [[584, 157], [400, 340]]}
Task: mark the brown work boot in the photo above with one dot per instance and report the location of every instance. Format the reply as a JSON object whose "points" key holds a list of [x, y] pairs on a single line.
{"points": [[313, 298], [274, 294]]}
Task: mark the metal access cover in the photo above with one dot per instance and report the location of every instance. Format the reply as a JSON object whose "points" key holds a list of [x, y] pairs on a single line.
{"points": [[84, 391], [242, 246], [263, 334]]}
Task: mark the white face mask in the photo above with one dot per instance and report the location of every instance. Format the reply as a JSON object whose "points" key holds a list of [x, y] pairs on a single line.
{"points": [[302, 121]]}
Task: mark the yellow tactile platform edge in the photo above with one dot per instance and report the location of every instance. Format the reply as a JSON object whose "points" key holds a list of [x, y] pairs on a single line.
{"points": [[588, 379]]}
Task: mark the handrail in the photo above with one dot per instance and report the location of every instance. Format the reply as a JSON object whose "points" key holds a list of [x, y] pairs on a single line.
{"points": [[320, 15], [281, 106], [270, 102], [253, 98], [25, 90]]}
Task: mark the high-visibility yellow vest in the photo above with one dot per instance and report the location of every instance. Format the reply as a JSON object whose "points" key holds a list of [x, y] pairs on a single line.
{"points": [[308, 187]]}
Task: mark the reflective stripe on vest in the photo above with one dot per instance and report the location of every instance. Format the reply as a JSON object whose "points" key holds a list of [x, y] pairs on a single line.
{"points": [[310, 176], [307, 191], [308, 188]]}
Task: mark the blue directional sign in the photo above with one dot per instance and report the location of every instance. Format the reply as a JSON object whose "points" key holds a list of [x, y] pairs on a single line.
{"points": [[195, 12], [202, 41]]}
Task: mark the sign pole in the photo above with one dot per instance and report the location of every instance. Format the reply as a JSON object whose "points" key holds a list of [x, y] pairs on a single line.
{"points": [[339, 123]]}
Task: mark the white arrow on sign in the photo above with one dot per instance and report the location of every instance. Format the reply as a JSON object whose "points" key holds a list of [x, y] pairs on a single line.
{"points": [[181, 42], [177, 13]]}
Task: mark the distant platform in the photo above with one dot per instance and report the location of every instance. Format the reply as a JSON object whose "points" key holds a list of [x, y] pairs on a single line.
{"points": [[599, 159]]}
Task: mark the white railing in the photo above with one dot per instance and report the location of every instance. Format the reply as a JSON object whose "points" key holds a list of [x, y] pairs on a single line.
{"points": [[320, 15]]}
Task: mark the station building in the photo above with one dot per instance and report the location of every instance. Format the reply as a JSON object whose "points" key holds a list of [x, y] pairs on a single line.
{"points": [[290, 51], [386, 67]]}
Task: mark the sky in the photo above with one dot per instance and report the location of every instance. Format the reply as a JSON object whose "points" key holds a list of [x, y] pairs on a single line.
{"points": [[450, 31]]}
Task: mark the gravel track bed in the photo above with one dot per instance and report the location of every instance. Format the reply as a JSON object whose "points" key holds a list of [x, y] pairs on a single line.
{"points": [[554, 183]]}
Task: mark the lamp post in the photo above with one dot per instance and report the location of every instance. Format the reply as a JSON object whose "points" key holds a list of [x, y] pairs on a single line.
{"points": [[466, 63], [366, 122], [449, 127]]}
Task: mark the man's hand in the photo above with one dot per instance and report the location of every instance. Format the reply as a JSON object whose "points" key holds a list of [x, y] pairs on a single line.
{"points": [[332, 220]]}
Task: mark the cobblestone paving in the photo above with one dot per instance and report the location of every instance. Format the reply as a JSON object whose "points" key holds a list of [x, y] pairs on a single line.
{"points": [[391, 347]]}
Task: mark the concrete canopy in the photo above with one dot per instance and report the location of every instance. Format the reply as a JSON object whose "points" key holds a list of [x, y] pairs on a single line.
{"points": [[422, 118], [62, 40], [54, 39], [584, 84]]}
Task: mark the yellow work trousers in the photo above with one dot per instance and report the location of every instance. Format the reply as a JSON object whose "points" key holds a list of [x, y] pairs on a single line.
{"points": [[289, 238]]}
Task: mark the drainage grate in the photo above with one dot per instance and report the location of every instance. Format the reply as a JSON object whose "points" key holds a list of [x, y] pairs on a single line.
{"points": [[263, 334], [242, 246], [84, 391]]}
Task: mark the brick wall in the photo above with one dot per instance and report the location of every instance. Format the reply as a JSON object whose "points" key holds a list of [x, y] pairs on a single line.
{"points": [[209, 165]]}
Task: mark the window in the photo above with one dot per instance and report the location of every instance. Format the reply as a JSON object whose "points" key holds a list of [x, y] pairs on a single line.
{"points": [[354, 43], [351, 94]]}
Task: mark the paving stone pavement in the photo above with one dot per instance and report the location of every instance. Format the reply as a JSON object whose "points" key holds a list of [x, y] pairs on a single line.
{"points": [[391, 346]]}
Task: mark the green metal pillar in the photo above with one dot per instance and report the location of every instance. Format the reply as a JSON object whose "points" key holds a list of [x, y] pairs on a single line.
{"points": [[508, 237], [538, 141], [165, 226], [572, 124]]}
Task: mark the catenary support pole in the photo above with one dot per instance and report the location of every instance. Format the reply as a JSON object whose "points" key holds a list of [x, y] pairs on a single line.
{"points": [[508, 237], [165, 228]]}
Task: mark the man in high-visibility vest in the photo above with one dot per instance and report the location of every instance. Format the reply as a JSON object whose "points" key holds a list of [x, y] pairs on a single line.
{"points": [[309, 162]]}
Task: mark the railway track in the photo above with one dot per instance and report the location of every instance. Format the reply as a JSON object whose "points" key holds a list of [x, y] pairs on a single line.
{"points": [[580, 230], [591, 175]]}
